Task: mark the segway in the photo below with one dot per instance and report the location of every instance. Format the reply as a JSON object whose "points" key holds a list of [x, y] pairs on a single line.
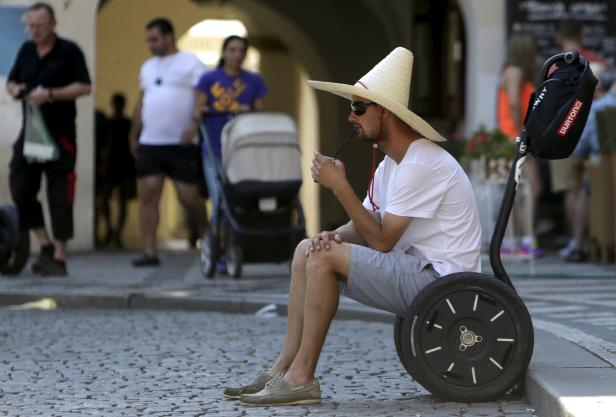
{"points": [[14, 243], [468, 337]]}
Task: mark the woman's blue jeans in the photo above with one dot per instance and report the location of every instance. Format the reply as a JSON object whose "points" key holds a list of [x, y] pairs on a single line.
{"points": [[213, 189]]}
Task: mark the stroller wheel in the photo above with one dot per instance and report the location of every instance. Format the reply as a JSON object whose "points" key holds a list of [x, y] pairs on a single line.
{"points": [[466, 337], [234, 259], [208, 255]]}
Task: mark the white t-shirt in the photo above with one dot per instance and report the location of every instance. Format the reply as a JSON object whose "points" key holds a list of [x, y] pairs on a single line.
{"points": [[168, 96], [430, 186]]}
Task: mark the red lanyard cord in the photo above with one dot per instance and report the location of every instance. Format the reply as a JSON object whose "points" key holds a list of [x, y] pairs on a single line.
{"points": [[375, 206]]}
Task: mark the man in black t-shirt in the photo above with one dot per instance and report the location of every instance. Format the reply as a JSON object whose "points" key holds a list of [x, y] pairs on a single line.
{"points": [[51, 73]]}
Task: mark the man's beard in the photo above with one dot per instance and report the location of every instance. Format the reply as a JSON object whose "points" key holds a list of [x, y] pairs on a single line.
{"points": [[366, 137], [160, 51]]}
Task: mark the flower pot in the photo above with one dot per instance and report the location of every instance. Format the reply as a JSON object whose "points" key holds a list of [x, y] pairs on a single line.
{"points": [[496, 168]]}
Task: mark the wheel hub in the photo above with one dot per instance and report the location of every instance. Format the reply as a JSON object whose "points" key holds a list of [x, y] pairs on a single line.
{"points": [[468, 338]]}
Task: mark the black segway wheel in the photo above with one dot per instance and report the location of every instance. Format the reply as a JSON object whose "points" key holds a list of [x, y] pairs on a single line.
{"points": [[467, 337], [18, 256], [401, 332], [208, 255], [234, 258]]}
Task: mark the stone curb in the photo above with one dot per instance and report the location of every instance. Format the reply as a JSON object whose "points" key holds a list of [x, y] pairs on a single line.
{"points": [[221, 304], [544, 392], [566, 380]]}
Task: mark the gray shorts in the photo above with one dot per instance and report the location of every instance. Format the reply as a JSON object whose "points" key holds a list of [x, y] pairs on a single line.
{"points": [[387, 281]]}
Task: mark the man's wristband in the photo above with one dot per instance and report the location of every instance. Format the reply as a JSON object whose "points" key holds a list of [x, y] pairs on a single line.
{"points": [[49, 95]]}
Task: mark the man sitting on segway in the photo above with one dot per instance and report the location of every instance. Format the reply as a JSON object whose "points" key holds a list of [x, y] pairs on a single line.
{"points": [[418, 222]]}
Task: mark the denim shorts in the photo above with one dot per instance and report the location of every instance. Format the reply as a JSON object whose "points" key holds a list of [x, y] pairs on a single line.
{"points": [[387, 281]]}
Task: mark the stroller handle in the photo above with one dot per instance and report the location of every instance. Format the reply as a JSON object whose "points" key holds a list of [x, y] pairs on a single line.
{"points": [[218, 113], [231, 114]]}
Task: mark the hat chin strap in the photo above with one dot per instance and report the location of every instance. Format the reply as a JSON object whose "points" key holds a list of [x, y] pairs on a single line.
{"points": [[375, 145]]}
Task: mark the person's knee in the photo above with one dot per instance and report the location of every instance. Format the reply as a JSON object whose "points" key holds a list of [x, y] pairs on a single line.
{"points": [[302, 247], [299, 256], [320, 261], [189, 195], [192, 199], [149, 194]]}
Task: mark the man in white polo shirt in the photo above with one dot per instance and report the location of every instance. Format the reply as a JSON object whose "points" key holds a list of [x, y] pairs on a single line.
{"points": [[163, 133]]}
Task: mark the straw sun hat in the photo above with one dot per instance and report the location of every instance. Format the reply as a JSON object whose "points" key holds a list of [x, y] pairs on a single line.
{"points": [[387, 84]]}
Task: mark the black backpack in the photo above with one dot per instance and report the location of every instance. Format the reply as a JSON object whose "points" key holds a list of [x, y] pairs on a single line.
{"points": [[559, 107]]}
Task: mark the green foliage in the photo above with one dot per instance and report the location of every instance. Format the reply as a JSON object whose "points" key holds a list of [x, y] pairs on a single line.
{"points": [[489, 144]]}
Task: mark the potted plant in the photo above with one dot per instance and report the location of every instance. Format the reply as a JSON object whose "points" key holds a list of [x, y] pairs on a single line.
{"points": [[488, 154]]}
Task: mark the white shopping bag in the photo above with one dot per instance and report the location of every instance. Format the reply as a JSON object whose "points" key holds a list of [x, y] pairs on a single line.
{"points": [[39, 146]]}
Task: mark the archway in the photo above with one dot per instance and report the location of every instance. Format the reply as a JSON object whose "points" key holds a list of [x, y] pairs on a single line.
{"points": [[286, 59], [205, 39]]}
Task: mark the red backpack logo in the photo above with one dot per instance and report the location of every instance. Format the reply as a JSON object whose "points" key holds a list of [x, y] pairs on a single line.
{"points": [[571, 116]]}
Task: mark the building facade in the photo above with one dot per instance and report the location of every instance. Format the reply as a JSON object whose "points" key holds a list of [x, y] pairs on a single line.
{"points": [[458, 45]]}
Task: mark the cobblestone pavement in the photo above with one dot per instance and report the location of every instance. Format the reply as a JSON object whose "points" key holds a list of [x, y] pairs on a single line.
{"points": [[163, 363]]}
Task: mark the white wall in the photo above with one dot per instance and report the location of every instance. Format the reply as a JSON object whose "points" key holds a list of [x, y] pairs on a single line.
{"points": [[484, 25], [76, 21]]}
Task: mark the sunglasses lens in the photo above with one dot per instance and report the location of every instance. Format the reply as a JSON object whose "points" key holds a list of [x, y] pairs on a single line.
{"points": [[358, 108]]}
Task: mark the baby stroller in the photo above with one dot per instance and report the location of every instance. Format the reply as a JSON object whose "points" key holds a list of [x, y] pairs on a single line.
{"points": [[14, 243], [260, 216]]}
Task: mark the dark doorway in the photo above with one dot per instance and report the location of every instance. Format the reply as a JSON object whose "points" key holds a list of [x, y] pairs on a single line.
{"points": [[438, 79]]}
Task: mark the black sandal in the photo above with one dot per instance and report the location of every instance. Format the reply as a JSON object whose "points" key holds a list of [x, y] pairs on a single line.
{"points": [[146, 260]]}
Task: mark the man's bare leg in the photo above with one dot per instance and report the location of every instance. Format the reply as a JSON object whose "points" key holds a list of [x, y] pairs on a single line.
{"points": [[323, 270], [193, 202], [150, 189], [41, 236], [59, 250], [295, 314], [571, 197], [580, 218]]}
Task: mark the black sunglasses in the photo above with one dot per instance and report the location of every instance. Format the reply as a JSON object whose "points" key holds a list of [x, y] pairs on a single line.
{"points": [[359, 107]]}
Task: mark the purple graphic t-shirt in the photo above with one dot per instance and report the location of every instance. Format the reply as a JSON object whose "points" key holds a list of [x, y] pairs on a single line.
{"points": [[225, 94]]}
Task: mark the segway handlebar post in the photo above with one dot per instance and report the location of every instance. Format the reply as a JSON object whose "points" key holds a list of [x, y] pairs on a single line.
{"points": [[505, 209], [522, 149]]}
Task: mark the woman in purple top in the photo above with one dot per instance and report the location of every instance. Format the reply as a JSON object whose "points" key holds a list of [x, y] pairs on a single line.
{"points": [[227, 91]]}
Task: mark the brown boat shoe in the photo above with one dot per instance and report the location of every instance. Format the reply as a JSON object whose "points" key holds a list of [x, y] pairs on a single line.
{"points": [[279, 392], [256, 384]]}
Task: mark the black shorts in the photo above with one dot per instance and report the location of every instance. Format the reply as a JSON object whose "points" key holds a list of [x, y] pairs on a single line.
{"points": [[179, 162]]}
